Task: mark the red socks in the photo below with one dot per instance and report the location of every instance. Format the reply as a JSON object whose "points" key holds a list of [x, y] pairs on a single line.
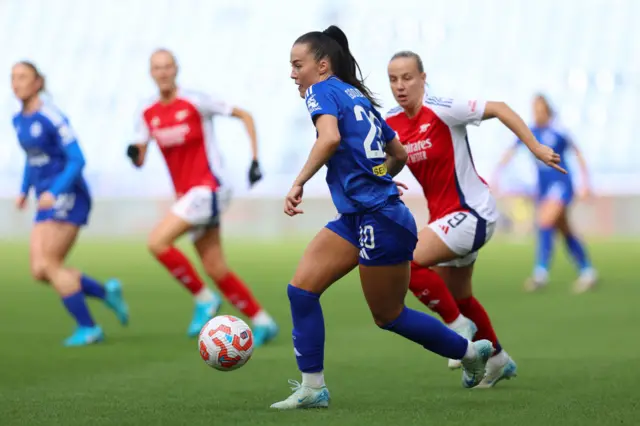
{"points": [[230, 285], [431, 290], [180, 267], [472, 309], [239, 294]]}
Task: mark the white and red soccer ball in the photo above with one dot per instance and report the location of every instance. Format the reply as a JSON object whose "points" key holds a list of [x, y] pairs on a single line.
{"points": [[225, 343]]}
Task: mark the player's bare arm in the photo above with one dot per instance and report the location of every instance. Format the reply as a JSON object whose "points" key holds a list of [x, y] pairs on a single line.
{"points": [[249, 124], [326, 144], [396, 157], [255, 174], [514, 122]]}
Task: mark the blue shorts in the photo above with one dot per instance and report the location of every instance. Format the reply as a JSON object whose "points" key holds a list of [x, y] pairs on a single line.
{"points": [[71, 208], [560, 191], [386, 236]]}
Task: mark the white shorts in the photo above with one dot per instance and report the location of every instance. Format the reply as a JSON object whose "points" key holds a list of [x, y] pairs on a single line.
{"points": [[464, 233], [202, 207]]}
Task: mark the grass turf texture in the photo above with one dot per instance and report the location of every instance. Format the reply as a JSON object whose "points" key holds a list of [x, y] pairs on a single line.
{"points": [[576, 354]]}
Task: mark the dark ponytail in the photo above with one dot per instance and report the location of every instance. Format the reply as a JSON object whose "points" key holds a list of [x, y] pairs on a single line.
{"points": [[332, 43]]}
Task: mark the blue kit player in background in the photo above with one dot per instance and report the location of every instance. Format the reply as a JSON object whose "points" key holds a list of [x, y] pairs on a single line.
{"points": [[53, 169], [555, 194], [374, 229]]}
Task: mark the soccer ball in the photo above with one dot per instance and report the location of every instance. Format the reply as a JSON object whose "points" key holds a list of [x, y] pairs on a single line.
{"points": [[225, 343]]}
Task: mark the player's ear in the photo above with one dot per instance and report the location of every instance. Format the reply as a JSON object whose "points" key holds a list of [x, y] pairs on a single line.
{"points": [[423, 76], [323, 66]]}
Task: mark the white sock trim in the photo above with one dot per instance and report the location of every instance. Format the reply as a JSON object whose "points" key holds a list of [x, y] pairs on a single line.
{"points": [[204, 295], [471, 352], [457, 322], [262, 318], [500, 358], [313, 380]]}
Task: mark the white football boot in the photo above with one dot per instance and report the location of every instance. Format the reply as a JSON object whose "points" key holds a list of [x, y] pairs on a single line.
{"points": [[304, 396], [538, 280], [499, 367], [586, 281]]}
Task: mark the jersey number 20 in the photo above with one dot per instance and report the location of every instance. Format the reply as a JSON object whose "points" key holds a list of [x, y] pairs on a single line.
{"points": [[373, 147]]}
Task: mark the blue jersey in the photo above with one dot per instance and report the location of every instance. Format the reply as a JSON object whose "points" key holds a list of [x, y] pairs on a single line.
{"points": [[559, 140], [357, 178], [54, 163]]}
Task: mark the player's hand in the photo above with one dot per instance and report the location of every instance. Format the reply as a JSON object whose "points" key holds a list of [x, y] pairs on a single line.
{"points": [[401, 186], [255, 174], [549, 157], [46, 201], [293, 200], [21, 201], [133, 152]]}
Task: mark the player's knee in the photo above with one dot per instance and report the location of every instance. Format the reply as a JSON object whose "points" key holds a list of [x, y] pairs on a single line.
{"points": [[545, 222], [216, 270], [39, 272], [64, 288], [157, 246], [311, 284], [386, 315], [549, 216], [64, 281]]}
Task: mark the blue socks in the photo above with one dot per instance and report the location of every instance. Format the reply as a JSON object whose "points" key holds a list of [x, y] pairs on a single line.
{"points": [[545, 247], [430, 333], [91, 287], [77, 307], [308, 329], [578, 252], [545, 250]]}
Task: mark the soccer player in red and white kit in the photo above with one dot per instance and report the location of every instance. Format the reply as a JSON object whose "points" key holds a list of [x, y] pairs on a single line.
{"points": [[180, 121], [462, 210]]}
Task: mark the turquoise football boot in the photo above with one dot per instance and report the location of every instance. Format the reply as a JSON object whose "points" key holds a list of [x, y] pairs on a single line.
{"points": [[115, 301], [84, 336]]}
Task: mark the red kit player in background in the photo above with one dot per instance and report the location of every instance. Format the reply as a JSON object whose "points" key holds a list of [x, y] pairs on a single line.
{"points": [[180, 121], [462, 210]]}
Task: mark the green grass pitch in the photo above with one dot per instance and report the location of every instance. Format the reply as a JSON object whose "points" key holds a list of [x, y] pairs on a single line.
{"points": [[577, 355]]}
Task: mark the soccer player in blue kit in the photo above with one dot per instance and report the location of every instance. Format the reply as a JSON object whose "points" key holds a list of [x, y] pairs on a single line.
{"points": [[374, 229], [555, 193], [53, 168]]}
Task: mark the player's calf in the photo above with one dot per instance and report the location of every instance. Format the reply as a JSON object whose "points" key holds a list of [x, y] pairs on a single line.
{"points": [[432, 291], [64, 280]]}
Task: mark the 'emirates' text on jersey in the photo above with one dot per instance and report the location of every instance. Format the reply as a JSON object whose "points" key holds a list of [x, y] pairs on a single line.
{"points": [[440, 157], [183, 130]]}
